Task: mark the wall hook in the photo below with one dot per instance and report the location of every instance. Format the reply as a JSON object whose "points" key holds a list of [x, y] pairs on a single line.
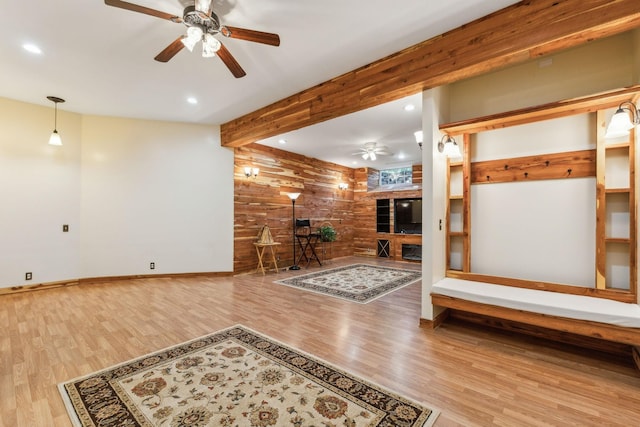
{"points": [[506, 167], [488, 178], [547, 163], [569, 171], [526, 174]]}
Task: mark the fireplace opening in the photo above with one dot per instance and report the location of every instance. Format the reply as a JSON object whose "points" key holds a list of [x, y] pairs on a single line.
{"points": [[411, 252]]}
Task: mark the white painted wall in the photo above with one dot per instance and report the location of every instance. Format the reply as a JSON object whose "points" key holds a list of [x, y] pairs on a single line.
{"points": [[155, 192], [39, 192], [537, 230], [434, 106], [587, 69], [132, 192]]}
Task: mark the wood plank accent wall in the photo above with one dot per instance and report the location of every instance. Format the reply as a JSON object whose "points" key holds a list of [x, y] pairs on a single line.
{"points": [[365, 237], [525, 30], [263, 201]]}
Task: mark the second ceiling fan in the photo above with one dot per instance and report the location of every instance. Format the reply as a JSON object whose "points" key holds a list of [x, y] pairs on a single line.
{"points": [[202, 25]]}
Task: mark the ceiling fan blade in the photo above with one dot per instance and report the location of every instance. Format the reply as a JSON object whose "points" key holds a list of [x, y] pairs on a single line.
{"points": [[230, 62], [170, 51], [143, 9], [253, 36]]}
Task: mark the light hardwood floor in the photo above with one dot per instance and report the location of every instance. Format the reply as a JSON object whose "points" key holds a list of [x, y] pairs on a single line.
{"points": [[473, 376]]}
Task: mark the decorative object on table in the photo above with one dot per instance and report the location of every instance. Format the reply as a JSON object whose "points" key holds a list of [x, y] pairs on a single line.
{"points": [[327, 233], [293, 197], [360, 283], [235, 376], [264, 236], [265, 240]]}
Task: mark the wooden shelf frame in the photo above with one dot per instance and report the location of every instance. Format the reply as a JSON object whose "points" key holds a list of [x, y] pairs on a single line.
{"points": [[465, 234], [597, 104]]}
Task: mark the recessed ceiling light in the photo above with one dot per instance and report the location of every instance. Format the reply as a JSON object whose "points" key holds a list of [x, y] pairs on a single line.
{"points": [[30, 47], [192, 100], [401, 156], [282, 141], [409, 107], [354, 162]]}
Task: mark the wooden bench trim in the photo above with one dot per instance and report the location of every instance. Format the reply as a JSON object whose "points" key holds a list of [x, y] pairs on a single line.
{"points": [[599, 330], [612, 294]]}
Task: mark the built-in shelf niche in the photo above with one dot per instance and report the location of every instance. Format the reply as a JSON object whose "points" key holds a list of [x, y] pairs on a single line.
{"points": [[616, 211]]}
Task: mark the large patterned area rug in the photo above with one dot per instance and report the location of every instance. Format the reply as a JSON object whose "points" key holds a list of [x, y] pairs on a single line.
{"points": [[357, 282], [234, 377]]}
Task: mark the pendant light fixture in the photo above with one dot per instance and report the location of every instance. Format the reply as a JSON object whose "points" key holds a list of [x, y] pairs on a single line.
{"points": [[55, 139]]}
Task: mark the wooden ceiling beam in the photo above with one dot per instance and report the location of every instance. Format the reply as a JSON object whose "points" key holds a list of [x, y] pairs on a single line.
{"points": [[525, 30]]}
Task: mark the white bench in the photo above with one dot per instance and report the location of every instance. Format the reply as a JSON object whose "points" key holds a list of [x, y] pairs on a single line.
{"points": [[577, 314]]}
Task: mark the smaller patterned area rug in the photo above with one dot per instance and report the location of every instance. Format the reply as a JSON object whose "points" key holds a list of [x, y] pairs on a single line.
{"points": [[358, 282], [234, 377]]}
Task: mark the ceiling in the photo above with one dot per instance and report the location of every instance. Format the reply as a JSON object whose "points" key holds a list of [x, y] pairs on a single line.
{"points": [[100, 60], [339, 140]]}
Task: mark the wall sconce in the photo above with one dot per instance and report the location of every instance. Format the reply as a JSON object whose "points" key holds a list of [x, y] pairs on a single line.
{"points": [[621, 123], [343, 186], [251, 171], [449, 147], [55, 139], [419, 137]]}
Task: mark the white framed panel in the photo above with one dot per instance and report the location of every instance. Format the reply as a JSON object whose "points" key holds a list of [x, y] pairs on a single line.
{"points": [[571, 133], [538, 230]]}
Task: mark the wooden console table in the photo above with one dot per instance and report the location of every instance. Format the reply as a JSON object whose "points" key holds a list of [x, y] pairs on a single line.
{"points": [[260, 247]]}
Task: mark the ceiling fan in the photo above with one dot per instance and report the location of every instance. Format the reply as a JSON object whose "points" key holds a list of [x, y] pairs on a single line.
{"points": [[371, 150], [202, 25]]}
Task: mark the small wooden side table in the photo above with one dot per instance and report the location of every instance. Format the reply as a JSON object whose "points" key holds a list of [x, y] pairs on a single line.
{"points": [[260, 247]]}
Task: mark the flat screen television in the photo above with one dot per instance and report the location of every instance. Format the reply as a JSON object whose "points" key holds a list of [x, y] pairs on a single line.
{"points": [[407, 216]]}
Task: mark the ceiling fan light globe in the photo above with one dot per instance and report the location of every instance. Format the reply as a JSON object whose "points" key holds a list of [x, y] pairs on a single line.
{"points": [[194, 35], [373, 156], [194, 32], [210, 45]]}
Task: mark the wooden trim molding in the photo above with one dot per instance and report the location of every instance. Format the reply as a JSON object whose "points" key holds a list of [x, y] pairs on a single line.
{"points": [[613, 294], [437, 321], [610, 347], [525, 30], [90, 280], [37, 287], [635, 352], [549, 111], [605, 331]]}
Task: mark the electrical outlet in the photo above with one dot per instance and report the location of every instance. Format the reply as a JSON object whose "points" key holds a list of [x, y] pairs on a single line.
{"points": [[152, 266], [28, 276], [65, 228]]}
